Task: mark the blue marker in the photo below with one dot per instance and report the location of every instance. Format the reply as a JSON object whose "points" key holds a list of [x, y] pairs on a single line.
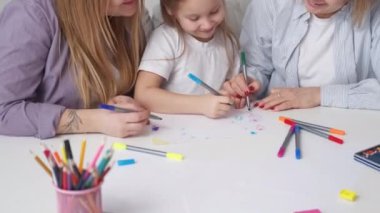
{"points": [[123, 110], [203, 84], [298, 149]]}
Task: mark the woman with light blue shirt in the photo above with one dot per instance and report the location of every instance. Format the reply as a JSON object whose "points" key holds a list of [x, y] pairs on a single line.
{"points": [[308, 53]]}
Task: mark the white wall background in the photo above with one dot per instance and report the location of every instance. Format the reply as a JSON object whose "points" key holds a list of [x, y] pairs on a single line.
{"points": [[235, 9]]}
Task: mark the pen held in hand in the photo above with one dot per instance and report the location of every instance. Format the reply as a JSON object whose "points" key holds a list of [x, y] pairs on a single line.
{"points": [[243, 64], [123, 110], [204, 85]]}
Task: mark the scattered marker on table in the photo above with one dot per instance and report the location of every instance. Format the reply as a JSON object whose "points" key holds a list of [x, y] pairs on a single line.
{"points": [[347, 195], [309, 211], [155, 128], [126, 162]]}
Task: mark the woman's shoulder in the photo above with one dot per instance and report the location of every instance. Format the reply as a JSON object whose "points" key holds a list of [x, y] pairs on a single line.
{"points": [[40, 10], [32, 5]]}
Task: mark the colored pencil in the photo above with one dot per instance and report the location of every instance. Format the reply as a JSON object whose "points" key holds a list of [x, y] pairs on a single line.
{"points": [[82, 153], [42, 164]]}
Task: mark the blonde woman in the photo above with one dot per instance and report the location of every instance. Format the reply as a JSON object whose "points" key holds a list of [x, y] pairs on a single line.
{"points": [[307, 53], [59, 59]]}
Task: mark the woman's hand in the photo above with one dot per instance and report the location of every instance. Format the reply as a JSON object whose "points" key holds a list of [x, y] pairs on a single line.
{"points": [[104, 121], [239, 90], [124, 124], [291, 98]]}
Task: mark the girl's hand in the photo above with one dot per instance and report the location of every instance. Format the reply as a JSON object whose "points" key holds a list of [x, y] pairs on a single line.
{"points": [[291, 98], [215, 106], [237, 87]]}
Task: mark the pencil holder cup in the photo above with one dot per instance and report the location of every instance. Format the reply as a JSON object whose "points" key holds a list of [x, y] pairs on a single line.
{"points": [[83, 201]]}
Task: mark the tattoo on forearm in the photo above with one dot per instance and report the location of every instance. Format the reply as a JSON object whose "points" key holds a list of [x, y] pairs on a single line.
{"points": [[73, 121]]}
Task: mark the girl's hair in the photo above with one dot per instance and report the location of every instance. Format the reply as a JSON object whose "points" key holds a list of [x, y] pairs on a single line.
{"points": [[104, 51], [360, 9], [229, 37]]}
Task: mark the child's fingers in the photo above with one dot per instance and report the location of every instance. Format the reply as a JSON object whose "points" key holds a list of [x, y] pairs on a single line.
{"points": [[239, 86], [227, 89]]}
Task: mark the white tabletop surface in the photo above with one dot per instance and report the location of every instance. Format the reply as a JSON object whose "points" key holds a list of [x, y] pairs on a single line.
{"points": [[227, 169]]}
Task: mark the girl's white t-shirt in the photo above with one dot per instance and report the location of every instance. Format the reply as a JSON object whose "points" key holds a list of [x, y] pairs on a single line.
{"points": [[173, 58], [316, 66]]}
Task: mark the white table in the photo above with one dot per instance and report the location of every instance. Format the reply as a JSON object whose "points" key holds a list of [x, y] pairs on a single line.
{"points": [[227, 169]]}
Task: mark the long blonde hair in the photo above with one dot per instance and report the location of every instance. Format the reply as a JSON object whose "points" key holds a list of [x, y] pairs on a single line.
{"points": [[104, 51], [360, 9], [228, 35]]}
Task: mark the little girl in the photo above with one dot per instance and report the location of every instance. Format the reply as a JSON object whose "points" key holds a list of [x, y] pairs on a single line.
{"points": [[193, 39]]}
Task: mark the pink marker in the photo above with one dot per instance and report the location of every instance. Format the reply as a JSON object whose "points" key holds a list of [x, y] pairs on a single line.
{"points": [[281, 152], [309, 211]]}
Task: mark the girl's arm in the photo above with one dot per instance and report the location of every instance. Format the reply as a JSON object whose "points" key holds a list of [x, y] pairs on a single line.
{"points": [[149, 93]]}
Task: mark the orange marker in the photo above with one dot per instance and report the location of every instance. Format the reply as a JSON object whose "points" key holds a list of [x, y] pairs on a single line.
{"points": [[315, 126]]}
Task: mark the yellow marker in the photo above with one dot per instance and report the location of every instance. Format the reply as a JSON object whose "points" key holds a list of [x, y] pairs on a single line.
{"points": [[158, 141], [347, 195], [174, 156], [169, 155]]}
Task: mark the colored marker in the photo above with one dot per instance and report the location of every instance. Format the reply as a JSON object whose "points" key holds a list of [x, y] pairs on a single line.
{"points": [[347, 195], [309, 211], [169, 155], [316, 132], [123, 110], [324, 128], [105, 160], [126, 162], [203, 84], [243, 64], [281, 152], [70, 159], [298, 149]]}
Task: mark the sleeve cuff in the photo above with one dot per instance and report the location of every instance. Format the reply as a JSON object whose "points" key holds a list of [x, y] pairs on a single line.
{"points": [[49, 118], [335, 96]]}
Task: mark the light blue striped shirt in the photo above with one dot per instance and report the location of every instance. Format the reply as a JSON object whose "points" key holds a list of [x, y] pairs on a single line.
{"points": [[272, 32]]}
